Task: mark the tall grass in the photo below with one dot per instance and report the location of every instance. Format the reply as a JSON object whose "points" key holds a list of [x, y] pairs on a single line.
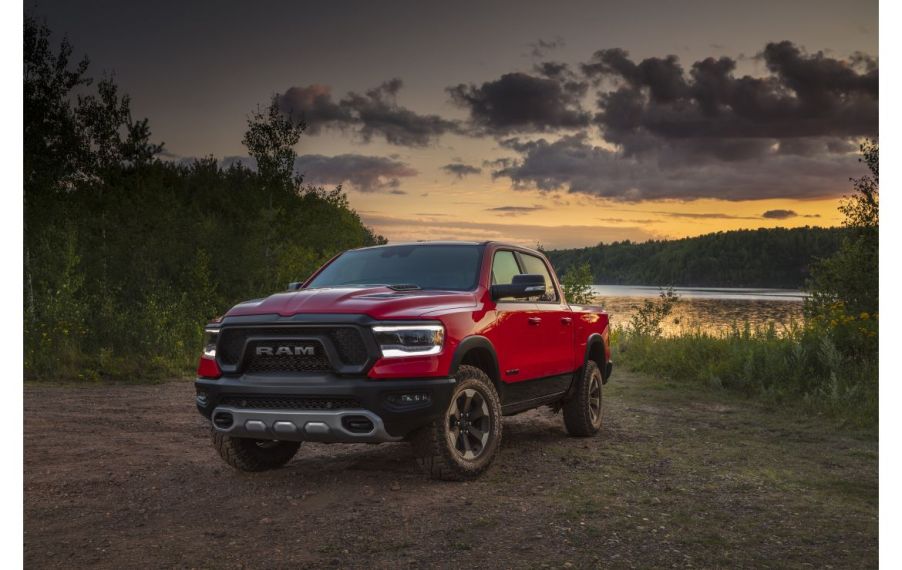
{"points": [[829, 364]]}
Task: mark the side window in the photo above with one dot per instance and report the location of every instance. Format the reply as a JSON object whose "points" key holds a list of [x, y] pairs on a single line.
{"points": [[535, 266], [504, 267]]}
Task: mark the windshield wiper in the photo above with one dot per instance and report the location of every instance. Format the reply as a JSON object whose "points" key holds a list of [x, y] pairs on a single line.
{"points": [[404, 287]]}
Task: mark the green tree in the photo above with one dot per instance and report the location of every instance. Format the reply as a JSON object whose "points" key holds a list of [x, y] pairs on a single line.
{"points": [[270, 139], [127, 256], [850, 277], [577, 284]]}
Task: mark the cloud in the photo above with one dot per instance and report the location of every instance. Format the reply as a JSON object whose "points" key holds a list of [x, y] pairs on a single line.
{"points": [[375, 113], [460, 170], [553, 237], [574, 164], [628, 221], [705, 216], [711, 113], [516, 210], [540, 47], [779, 214], [519, 102], [364, 173], [315, 107]]}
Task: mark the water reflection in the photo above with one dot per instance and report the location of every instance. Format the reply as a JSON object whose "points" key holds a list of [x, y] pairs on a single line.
{"points": [[707, 309]]}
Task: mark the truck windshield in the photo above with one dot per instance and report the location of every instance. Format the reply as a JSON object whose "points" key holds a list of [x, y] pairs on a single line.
{"points": [[451, 267]]}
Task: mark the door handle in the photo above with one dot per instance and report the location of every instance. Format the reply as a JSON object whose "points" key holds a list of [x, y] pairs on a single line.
{"points": [[566, 320], [534, 320]]}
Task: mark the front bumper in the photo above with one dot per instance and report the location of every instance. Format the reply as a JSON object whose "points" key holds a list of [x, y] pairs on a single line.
{"points": [[377, 415]]}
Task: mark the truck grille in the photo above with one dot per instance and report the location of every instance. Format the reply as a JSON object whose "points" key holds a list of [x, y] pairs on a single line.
{"points": [[290, 403], [286, 363], [346, 341]]}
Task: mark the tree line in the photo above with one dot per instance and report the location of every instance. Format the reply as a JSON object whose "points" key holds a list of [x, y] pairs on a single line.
{"points": [[766, 257], [126, 256]]}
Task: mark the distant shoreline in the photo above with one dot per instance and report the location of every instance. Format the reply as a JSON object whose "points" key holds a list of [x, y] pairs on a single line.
{"points": [[721, 293], [763, 258]]}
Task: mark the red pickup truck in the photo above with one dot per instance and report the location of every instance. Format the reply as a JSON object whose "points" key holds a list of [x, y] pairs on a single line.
{"points": [[429, 342]]}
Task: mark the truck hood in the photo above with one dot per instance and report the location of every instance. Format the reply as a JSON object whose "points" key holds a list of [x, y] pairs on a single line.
{"points": [[377, 302]]}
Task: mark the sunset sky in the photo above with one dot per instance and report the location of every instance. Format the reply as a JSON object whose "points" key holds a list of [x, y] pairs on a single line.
{"points": [[563, 123]]}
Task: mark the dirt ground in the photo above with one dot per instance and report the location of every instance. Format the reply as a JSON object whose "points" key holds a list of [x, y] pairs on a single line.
{"points": [[125, 476]]}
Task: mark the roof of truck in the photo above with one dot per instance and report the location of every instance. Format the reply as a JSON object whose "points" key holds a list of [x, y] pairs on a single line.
{"points": [[451, 242]]}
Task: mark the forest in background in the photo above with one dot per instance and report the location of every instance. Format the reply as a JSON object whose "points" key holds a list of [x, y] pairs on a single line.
{"points": [[127, 256], [766, 257]]}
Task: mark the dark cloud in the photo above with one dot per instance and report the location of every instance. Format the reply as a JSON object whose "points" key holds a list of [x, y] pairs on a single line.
{"points": [[574, 164], [712, 113], [516, 210], [519, 102], [779, 214], [460, 170], [375, 113], [692, 215], [671, 132], [705, 216], [380, 114], [540, 48], [315, 107], [364, 173]]}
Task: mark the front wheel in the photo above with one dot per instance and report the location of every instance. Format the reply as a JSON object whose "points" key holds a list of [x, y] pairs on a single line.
{"points": [[582, 412], [254, 454], [461, 444]]}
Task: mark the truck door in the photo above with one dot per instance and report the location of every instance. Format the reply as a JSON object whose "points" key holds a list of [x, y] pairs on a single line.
{"points": [[552, 322], [513, 334]]}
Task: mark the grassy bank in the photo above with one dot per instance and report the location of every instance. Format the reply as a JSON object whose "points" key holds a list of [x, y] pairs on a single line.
{"points": [[827, 368]]}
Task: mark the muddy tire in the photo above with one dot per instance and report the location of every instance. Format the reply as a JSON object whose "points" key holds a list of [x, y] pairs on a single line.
{"points": [[582, 412], [461, 444], [254, 454]]}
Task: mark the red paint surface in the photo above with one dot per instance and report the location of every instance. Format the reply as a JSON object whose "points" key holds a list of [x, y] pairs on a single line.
{"points": [[537, 339]]}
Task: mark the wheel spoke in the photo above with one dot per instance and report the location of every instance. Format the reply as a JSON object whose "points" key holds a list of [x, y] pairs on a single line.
{"points": [[466, 442], [479, 434], [480, 411], [468, 401]]}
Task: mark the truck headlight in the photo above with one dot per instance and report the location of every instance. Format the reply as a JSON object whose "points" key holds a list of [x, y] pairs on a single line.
{"points": [[211, 337], [409, 340]]}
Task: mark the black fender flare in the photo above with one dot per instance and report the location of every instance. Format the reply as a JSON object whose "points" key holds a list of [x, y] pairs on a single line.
{"points": [[477, 341], [593, 340]]}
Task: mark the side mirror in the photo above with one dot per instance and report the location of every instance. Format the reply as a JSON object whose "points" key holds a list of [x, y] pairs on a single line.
{"points": [[295, 285], [522, 286]]}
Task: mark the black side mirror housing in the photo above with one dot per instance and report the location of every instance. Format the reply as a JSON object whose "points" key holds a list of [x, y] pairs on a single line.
{"points": [[294, 285], [527, 285]]}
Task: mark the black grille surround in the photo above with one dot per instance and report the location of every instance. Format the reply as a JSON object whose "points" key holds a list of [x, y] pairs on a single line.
{"points": [[257, 363], [267, 402], [339, 348]]}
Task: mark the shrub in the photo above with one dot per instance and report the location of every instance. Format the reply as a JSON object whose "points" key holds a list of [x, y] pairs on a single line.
{"points": [[577, 285]]}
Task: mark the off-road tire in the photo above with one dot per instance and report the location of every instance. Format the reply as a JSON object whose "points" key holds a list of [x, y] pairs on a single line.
{"points": [[253, 454], [436, 445], [582, 412]]}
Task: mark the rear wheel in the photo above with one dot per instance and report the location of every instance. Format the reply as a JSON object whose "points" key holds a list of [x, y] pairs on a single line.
{"points": [[582, 412], [254, 454], [461, 444]]}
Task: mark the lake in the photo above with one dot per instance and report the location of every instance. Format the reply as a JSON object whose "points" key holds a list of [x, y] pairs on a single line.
{"points": [[711, 309]]}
